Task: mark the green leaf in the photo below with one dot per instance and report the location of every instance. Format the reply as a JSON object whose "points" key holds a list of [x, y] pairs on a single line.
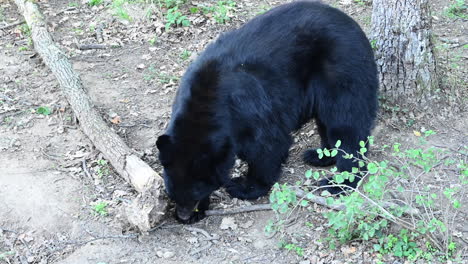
{"points": [[352, 177], [339, 178], [354, 170], [308, 174], [363, 150], [330, 201], [372, 168], [310, 196], [362, 144], [377, 247], [320, 153], [334, 152], [43, 110], [304, 203], [316, 175], [326, 152], [361, 164], [338, 143], [456, 204]]}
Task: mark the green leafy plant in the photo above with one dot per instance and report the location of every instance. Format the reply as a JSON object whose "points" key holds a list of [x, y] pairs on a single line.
{"points": [[43, 110], [175, 18], [152, 73], [458, 9], [153, 41], [373, 44], [103, 168], [100, 209], [389, 190], [25, 30], [173, 3], [221, 10], [362, 2], [119, 9], [294, 248], [185, 55], [94, 2]]}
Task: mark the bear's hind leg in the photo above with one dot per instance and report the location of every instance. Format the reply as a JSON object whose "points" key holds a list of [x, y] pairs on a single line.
{"points": [[350, 138], [311, 157]]}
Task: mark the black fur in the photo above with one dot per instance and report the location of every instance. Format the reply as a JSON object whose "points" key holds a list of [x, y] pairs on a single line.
{"points": [[252, 87]]}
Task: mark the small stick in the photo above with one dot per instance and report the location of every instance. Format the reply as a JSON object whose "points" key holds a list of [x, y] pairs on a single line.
{"points": [[13, 25], [203, 232], [299, 193], [207, 246], [251, 208], [85, 169], [91, 46]]}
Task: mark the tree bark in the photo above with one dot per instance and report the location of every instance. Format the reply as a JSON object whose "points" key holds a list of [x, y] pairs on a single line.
{"points": [[401, 32], [150, 204]]}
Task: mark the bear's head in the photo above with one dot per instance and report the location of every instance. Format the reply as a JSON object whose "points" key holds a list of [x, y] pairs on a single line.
{"points": [[192, 171]]}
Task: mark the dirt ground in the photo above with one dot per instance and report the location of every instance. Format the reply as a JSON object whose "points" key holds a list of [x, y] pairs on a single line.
{"points": [[51, 177]]}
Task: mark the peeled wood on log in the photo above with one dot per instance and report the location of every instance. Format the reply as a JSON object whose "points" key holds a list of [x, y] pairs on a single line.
{"points": [[150, 205]]}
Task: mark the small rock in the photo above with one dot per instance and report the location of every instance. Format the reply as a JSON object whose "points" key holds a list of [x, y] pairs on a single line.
{"points": [[168, 254], [146, 57], [192, 240], [259, 244], [159, 253], [140, 66], [228, 222], [247, 224]]}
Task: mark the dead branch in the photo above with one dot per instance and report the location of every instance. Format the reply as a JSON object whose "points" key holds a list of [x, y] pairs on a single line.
{"points": [[150, 205], [238, 210], [91, 46], [198, 250], [300, 194], [12, 25]]}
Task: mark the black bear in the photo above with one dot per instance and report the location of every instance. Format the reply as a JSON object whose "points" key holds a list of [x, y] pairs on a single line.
{"points": [[252, 87]]}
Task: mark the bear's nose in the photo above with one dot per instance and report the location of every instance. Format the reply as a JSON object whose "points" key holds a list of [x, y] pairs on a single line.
{"points": [[183, 213]]}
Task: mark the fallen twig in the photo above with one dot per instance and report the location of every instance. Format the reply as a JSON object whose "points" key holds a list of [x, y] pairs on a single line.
{"points": [[251, 208], [91, 46], [200, 249], [85, 169], [13, 25], [203, 232]]}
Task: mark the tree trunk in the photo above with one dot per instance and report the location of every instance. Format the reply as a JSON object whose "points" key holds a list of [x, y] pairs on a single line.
{"points": [[401, 32], [150, 205]]}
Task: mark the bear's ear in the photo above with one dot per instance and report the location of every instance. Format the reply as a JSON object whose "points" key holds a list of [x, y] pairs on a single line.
{"points": [[163, 142]]}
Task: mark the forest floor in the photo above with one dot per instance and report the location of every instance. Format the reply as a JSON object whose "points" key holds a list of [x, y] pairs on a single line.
{"points": [[59, 200]]}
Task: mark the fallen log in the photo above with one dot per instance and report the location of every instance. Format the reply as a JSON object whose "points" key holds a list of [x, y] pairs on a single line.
{"points": [[148, 207]]}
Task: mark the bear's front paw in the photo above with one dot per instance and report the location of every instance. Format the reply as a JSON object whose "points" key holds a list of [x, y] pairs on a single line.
{"points": [[311, 157], [245, 189]]}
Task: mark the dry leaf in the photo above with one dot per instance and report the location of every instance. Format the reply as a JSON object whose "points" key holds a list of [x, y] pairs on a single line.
{"points": [[116, 120]]}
